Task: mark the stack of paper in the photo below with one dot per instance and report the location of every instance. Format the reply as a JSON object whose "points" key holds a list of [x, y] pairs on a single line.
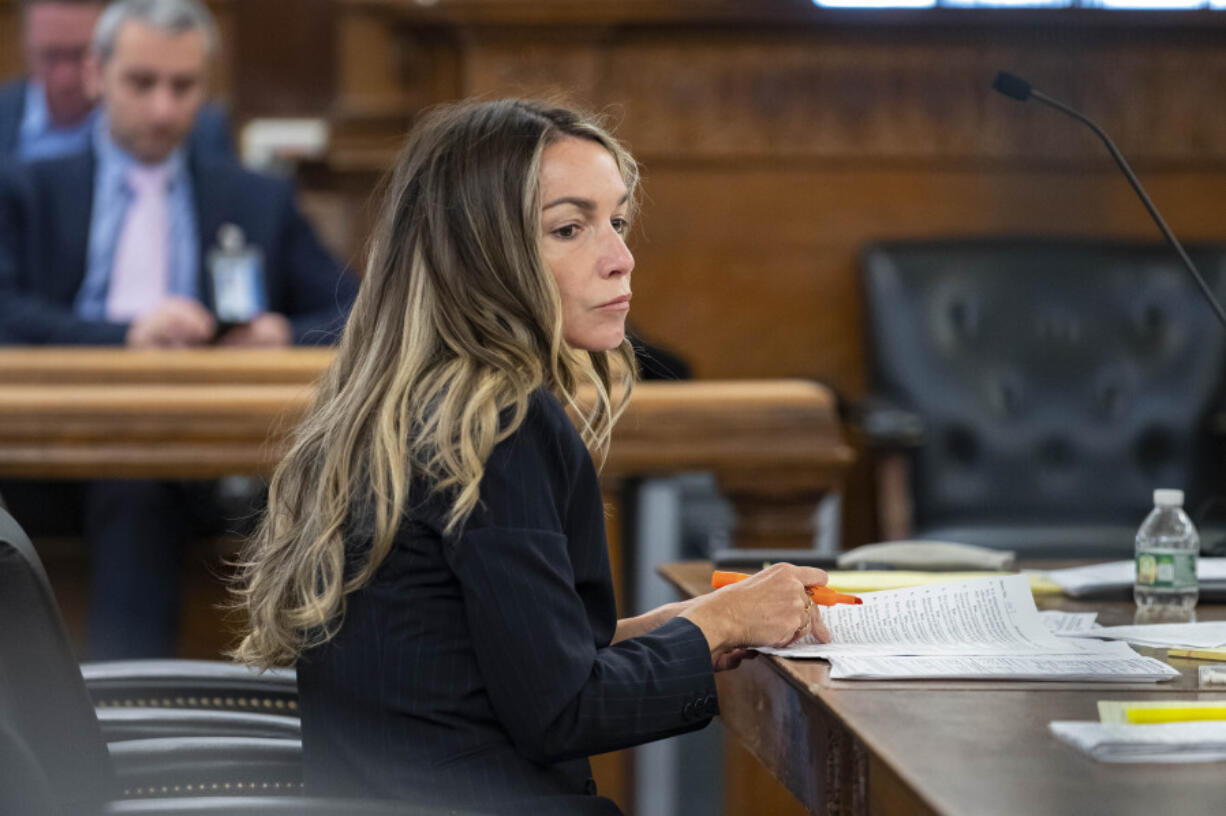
{"points": [[1204, 635], [1164, 742], [1076, 624], [1079, 581], [1114, 666], [981, 628]]}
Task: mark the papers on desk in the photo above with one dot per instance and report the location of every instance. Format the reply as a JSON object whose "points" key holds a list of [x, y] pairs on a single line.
{"points": [[982, 616], [1150, 731], [1204, 635], [1114, 665], [1075, 624], [1079, 581], [993, 617], [1163, 742]]}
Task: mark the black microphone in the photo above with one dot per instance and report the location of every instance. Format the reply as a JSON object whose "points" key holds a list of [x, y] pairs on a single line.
{"points": [[1017, 88]]}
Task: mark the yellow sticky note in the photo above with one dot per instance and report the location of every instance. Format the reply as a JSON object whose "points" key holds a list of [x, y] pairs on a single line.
{"points": [[1192, 713], [1160, 711]]}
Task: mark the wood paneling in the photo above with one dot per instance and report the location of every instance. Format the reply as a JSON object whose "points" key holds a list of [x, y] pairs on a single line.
{"points": [[288, 61], [776, 289], [746, 780], [11, 56], [773, 149]]}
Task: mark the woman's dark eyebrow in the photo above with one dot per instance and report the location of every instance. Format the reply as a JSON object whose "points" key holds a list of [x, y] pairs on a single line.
{"points": [[581, 203]]}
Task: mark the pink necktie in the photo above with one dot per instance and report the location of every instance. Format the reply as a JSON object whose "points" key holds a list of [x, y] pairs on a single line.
{"points": [[140, 275]]}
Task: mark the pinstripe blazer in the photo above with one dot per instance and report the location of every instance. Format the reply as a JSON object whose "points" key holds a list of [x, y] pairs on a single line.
{"points": [[476, 669]]}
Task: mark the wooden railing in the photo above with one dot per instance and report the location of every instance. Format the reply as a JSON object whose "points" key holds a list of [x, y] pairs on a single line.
{"points": [[774, 445]]}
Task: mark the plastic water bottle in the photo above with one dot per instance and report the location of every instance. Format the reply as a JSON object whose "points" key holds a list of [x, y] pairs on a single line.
{"points": [[1167, 545]]}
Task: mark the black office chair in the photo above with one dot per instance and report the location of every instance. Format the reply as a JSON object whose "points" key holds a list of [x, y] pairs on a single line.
{"points": [[57, 760], [1029, 394], [138, 698], [24, 788]]}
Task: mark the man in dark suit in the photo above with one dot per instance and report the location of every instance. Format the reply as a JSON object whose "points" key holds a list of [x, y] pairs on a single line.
{"points": [[119, 245], [49, 112]]}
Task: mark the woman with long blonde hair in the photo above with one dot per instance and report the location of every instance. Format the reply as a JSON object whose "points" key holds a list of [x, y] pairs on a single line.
{"points": [[433, 557]]}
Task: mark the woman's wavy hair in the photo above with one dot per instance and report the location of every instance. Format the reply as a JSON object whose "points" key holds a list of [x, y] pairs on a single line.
{"points": [[457, 321]]}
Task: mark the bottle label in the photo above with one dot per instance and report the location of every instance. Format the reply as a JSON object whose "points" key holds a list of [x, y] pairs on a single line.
{"points": [[1174, 571]]}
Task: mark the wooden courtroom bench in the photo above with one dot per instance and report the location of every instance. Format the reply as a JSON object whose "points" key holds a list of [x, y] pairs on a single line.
{"points": [[774, 445]]}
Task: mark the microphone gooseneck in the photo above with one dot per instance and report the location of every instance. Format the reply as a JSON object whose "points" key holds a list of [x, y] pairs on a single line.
{"points": [[1021, 90]]}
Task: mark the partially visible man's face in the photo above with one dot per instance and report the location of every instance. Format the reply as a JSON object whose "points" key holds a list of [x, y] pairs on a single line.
{"points": [[152, 87], [56, 39]]}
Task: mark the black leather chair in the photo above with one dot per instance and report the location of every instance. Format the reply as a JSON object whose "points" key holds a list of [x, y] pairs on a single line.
{"points": [[147, 698], [1029, 394], [57, 760]]}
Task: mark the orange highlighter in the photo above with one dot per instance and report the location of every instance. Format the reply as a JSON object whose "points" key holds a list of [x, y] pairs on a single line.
{"points": [[821, 595]]}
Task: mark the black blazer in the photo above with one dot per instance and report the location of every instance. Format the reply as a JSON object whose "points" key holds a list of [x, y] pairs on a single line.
{"points": [[45, 211], [211, 134], [476, 669]]}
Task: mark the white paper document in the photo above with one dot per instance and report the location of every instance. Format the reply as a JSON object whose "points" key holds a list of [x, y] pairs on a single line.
{"points": [[982, 616], [1074, 624], [1204, 635], [1162, 742], [974, 629], [1078, 581], [1108, 666]]}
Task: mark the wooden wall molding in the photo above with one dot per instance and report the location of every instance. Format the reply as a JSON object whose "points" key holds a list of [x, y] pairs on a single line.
{"points": [[790, 83]]}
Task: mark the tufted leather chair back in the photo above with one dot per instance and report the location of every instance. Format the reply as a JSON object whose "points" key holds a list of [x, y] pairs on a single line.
{"points": [[1058, 381]]}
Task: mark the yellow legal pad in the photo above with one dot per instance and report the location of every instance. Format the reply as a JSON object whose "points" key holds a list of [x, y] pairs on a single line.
{"points": [[1136, 712], [874, 580]]}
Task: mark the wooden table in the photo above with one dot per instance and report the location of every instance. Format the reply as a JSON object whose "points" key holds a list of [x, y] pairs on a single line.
{"points": [[960, 748]]}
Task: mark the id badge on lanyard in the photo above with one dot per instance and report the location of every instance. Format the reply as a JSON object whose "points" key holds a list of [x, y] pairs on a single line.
{"points": [[236, 273]]}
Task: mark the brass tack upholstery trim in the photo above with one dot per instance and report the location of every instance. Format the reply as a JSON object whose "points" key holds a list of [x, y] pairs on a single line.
{"points": [[219, 703], [210, 788]]}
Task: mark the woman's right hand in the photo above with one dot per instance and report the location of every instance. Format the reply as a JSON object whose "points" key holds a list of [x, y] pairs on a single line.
{"points": [[770, 608]]}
